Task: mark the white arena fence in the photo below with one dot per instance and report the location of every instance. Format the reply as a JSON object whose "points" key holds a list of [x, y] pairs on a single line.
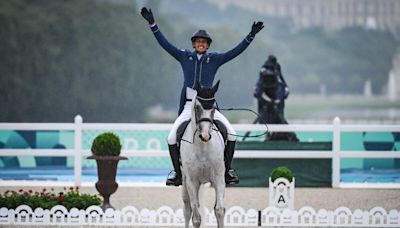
{"points": [[166, 217], [336, 128]]}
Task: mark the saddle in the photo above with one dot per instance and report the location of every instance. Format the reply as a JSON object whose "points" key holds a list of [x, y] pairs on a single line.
{"points": [[221, 128]]}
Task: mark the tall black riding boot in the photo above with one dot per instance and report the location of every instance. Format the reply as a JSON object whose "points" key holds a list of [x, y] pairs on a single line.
{"points": [[175, 179], [230, 175]]}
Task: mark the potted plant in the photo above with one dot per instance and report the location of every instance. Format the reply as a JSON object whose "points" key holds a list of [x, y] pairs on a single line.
{"points": [[106, 149], [281, 188], [282, 171]]}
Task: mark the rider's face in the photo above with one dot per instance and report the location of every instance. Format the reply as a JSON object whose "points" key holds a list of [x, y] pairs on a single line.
{"points": [[200, 45]]}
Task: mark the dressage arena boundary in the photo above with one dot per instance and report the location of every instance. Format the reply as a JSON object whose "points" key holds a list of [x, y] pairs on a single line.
{"points": [[166, 217], [153, 149]]}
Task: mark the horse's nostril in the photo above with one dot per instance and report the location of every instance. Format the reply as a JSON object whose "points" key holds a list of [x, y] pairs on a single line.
{"points": [[204, 138]]}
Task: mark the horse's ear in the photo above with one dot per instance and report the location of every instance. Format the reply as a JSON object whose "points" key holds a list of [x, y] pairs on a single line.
{"points": [[215, 87], [197, 85]]}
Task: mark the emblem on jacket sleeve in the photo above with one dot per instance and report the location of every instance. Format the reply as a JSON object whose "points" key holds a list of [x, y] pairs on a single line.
{"points": [[190, 58]]}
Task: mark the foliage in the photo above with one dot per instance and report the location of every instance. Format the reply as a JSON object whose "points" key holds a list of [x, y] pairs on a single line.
{"points": [[281, 171], [341, 60], [69, 198], [100, 60], [106, 144]]}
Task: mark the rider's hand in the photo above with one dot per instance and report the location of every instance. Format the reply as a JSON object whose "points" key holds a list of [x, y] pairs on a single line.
{"points": [[256, 91], [256, 27], [148, 15]]}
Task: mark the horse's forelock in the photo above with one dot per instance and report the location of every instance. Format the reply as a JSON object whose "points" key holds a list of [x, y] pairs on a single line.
{"points": [[205, 93]]}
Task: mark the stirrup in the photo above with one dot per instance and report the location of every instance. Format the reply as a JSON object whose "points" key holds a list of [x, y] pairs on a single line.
{"points": [[174, 180]]}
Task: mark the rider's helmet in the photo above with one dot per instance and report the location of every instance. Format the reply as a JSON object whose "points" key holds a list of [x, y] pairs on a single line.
{"points": [[272, 59], [201, 34]]}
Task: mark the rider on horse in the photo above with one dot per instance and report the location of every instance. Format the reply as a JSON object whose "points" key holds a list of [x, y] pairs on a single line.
{"points": [[202, 65], [273, 85]]}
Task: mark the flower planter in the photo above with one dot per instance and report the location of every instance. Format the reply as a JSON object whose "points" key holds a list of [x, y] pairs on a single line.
{"points": [[107, 171]]}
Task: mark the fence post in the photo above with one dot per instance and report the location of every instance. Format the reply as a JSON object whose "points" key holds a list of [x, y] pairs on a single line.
{"points": [[78, 150], [336, 153]]}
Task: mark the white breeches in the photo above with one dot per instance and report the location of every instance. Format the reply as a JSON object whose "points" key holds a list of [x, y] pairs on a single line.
{"points": [[187, 113]]}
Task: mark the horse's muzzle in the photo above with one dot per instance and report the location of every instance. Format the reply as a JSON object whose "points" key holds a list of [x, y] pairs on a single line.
{"points": [[205, 137]]}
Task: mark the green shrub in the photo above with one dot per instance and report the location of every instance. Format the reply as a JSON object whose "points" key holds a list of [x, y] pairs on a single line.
{"points": [[71, 198], [281, 171], [106, 144]]}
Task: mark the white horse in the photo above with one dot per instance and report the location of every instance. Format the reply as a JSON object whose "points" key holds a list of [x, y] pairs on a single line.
{"points": [[202, 157]]}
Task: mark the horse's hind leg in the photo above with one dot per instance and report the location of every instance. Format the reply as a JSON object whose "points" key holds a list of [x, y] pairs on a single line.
{"points": [[219, 208], [187, 210]]}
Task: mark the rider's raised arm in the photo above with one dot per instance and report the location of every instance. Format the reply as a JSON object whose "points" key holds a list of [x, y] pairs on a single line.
{"points": [[225, 57], [164, 43]]}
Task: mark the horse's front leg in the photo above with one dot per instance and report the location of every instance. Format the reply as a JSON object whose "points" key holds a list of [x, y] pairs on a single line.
{"points": [[219, 208], [193, 192], [187, 210]]}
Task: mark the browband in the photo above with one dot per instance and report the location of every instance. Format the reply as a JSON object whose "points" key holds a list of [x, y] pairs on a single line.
{"points": [[206, 99]]}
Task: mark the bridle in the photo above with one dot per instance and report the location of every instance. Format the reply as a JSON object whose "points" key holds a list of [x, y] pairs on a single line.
{"points": [[204, 119]]}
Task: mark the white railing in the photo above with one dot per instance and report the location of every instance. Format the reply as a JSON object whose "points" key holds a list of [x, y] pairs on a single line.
{"points": [[165, 216], [336, 128]]}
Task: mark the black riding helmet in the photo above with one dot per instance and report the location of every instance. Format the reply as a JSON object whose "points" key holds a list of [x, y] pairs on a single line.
{"points": [[272, 59], [201, 34]]}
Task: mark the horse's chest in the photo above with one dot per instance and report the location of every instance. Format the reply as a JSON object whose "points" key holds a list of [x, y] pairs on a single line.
{"points": [[199, 160], [203, 161]]}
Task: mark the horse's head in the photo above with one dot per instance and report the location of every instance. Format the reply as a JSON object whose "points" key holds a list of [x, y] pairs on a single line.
{"points": [[204, 109]]}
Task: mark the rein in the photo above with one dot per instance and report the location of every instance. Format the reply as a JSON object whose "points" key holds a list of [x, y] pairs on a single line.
{"points": [[249, 110], [228, 109]]}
